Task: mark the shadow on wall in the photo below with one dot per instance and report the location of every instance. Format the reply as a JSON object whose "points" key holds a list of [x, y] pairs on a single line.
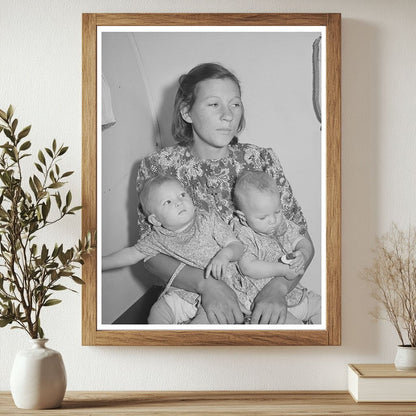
{"points": [[361, 188]]}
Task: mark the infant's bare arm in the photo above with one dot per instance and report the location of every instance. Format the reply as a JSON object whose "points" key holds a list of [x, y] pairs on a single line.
{"points": [[252, 267], [125, 257], [218, 264]]}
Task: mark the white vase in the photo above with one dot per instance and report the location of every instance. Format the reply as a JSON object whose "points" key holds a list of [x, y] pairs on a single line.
{"points": [[405, 358], [38, 377]]}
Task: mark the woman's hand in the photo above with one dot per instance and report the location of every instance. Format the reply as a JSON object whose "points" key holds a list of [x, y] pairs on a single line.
{"points": [[220, 303], [299, 262], [269, 306], [292, 273]]}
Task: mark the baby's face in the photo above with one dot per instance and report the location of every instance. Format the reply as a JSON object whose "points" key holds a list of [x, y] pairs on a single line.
{"points": [[263, 211], [172, 206]]}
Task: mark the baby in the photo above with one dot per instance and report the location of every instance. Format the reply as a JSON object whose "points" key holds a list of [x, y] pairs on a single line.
{"points": [[179, 230], [274, 245]]}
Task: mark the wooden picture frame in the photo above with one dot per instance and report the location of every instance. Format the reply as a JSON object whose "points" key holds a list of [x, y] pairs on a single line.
{"points": [[330, 333]]}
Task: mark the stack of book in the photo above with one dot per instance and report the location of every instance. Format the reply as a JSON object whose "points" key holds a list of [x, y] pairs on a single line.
{"points": [[381, 383]]}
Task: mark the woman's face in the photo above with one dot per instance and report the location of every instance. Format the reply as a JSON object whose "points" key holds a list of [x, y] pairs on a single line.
{"points": [[215, 114]]}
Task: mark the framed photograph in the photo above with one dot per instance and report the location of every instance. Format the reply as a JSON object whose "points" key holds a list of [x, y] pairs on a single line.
{"points": [[271, 102]]}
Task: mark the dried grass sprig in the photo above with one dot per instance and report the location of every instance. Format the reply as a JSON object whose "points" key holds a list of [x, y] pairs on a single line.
{"points": [[393, 277]]}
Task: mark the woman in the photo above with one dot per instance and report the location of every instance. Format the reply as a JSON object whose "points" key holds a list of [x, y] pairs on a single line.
{"points": [[208, 115]]}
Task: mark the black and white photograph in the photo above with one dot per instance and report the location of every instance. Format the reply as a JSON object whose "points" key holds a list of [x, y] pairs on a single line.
{"points": [[220, 133]]}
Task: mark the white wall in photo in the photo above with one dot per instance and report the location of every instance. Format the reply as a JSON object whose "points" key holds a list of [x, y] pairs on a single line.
{"points": [[123, 145]]}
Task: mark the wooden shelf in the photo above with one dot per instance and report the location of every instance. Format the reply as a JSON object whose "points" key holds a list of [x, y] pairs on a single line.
{"points": [[178, 403]]}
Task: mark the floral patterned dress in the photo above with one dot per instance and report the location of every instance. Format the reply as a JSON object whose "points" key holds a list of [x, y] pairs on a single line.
{"points": [[210, 182]]}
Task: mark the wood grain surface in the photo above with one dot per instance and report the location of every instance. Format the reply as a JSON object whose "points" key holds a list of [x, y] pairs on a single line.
{"points": [[381, 371], [317, 403]]}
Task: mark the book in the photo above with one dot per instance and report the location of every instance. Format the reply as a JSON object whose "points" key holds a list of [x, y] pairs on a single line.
{"points": [[381, 383]]}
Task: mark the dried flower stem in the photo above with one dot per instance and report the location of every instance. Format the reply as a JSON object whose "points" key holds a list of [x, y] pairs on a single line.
{"points": [[393, 277]]}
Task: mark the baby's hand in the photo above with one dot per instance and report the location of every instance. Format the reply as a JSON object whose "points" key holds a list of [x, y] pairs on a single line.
{"points": [[217, 267], [291, 274], [299, 262]]}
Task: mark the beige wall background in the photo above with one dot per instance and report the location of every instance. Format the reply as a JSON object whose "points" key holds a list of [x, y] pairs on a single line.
{"points": [[40, 73]]}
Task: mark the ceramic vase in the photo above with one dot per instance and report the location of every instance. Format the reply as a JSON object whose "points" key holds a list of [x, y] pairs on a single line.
{"points": [[405, 358], [38, 377]]}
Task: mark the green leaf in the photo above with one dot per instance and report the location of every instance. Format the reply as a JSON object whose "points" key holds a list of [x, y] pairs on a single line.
{"points": [[10, 112], [33, 187], [51, 302], [68, 199], [54, 145], [49, 152], [60, 250], [4, 298], [14, 125], [40, 331], [34, 226], [38, 183], [58, 199], [67, 174], [56, 185], [76, 208], [8, 133], [77, 280], [24, 132], [25, 155], [39, 167], [59, 287], [5, 321], [44, 253], [45, 210], [54, 276], [25, 145], [62, 257], [55, 251], [41, 157], [3, 115], [63, 150]]}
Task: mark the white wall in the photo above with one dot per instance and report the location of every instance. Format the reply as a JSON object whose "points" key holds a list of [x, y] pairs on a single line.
{"points": [[41, 75]]}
